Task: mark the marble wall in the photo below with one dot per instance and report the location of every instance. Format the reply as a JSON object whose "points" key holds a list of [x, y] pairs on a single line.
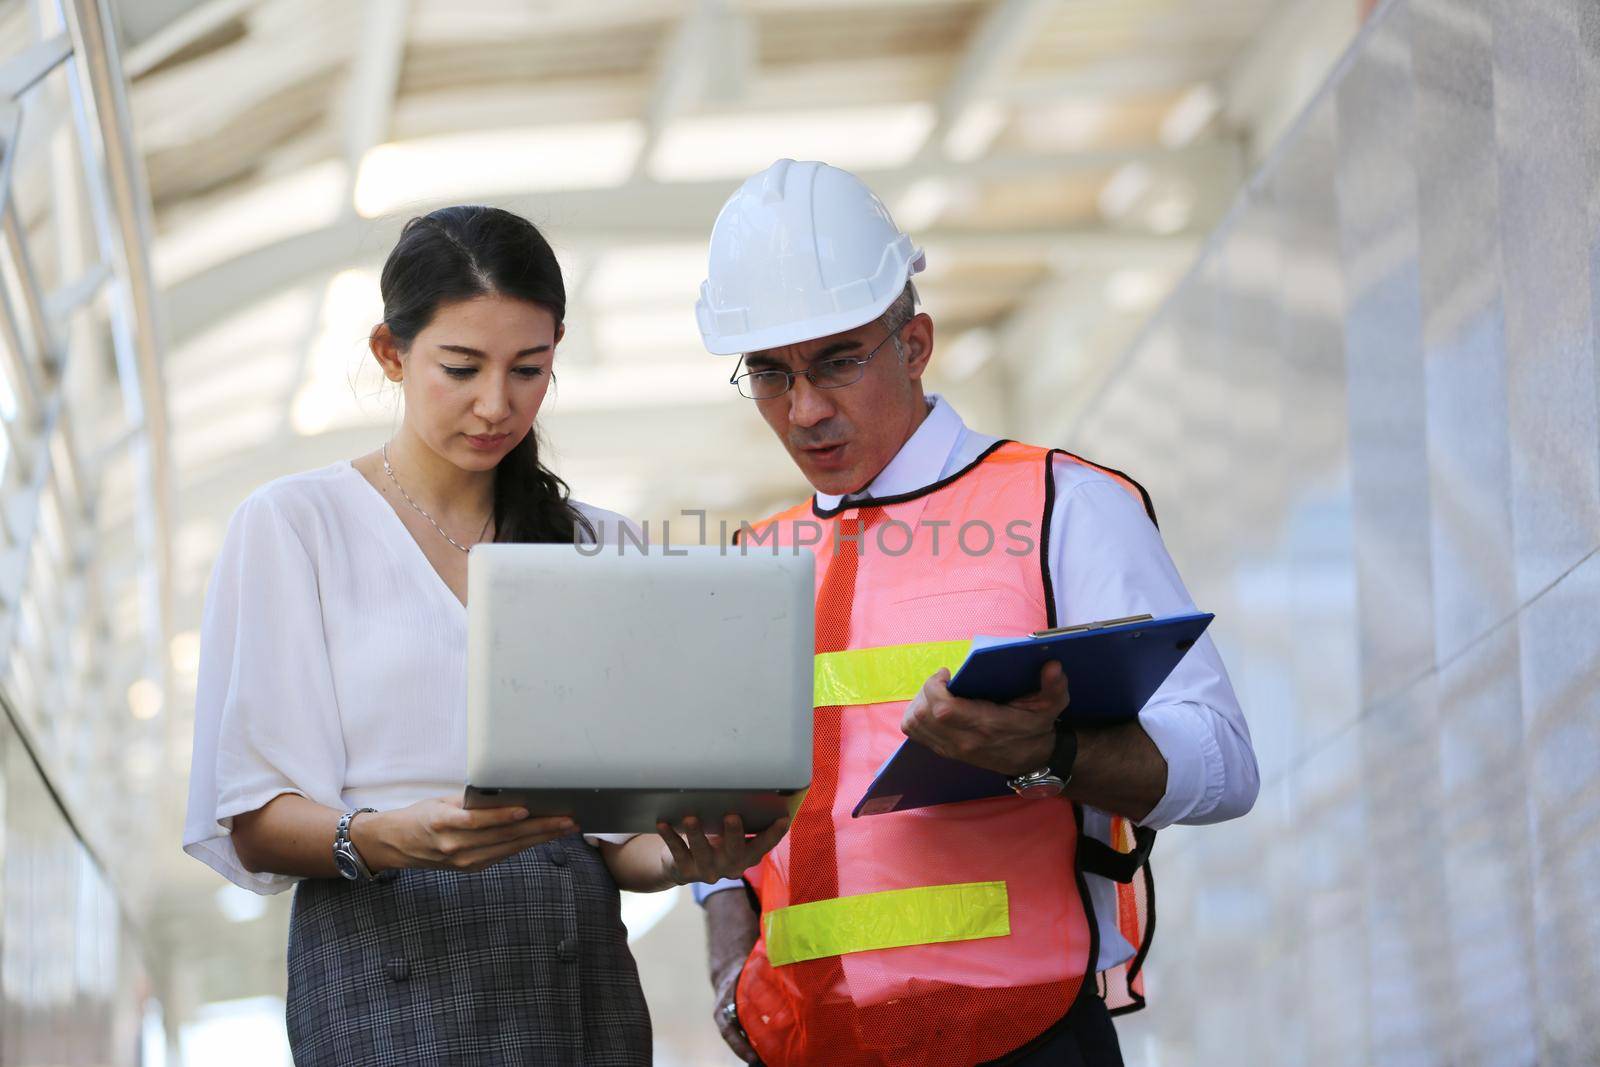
{"points": [[1370, 421], [73, 991]]}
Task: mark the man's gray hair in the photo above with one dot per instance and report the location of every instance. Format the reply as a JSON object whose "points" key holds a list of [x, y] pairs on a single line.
{"points": [[898, 314]]}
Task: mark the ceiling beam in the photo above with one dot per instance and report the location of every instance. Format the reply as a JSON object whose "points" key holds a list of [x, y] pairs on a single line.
{"points": [[473, 23], [1117, 76], [194, 25], [680, 79], [651, 212], [380, 50], [200, 302], [184, 108], [374, 78], [994, 48]]}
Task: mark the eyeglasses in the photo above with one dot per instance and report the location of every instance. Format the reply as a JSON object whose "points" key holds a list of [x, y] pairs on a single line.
{"points": [[771, 383]]}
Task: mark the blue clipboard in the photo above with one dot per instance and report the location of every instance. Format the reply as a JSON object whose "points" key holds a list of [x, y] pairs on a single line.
{"points": [[1113, 669]]}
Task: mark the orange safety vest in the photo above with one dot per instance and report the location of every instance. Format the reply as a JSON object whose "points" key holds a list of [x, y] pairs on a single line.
{"points": [[949, 935]]}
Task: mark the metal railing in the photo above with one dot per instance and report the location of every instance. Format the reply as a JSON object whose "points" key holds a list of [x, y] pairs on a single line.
{"points": [[84, 470]]}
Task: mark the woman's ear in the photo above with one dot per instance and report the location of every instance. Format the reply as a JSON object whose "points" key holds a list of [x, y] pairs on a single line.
{"points": [[386, 350], [561, 331]]}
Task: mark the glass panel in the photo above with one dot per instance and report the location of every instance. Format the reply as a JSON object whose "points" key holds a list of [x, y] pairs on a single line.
{"points": [[15, 302], [1389, 451], [43, 591], [66, 480], [17, 29], [8, 396], [100, 419], [25, 659], [48, 185], [51, 533], [5, 462], [114, 510], [60, 946], [16, 349]]}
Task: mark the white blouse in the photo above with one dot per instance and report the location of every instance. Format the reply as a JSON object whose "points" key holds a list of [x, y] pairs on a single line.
{"points": [[332, 664]]}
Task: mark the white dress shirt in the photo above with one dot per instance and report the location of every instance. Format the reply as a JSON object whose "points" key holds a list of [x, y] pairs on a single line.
{"points": [[1107, 561], [332, 664]]}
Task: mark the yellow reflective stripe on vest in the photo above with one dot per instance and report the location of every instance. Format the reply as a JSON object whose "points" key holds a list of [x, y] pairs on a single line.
{"points": [[923, 916], [880, 675]]}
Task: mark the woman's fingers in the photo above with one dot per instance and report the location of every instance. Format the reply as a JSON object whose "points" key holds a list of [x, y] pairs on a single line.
{"points": [[533, 831], [529, 830], [483, 818], [552, 826], [445, 817], [695, 856], [476, 859], [478, 818], [451, 815], [475, 849], [515, 836]]}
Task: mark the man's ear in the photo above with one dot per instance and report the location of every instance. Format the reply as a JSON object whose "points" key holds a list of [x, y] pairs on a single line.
{"points": [[917, 338], [386, 350]]}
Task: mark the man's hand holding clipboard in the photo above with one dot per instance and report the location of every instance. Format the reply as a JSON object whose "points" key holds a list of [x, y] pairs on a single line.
{"points": [[1009, 738], [1000, 715]]}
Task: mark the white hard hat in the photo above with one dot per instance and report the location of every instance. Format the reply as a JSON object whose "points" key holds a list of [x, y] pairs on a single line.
{"points": [[800, 251]]}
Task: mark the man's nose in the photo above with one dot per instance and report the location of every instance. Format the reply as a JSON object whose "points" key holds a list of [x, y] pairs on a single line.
{"points": [[808, 405]]}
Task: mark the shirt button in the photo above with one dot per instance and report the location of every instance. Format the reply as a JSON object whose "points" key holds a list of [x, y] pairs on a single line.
{"points": [[567, 951], [558, 854], [397, 970]]}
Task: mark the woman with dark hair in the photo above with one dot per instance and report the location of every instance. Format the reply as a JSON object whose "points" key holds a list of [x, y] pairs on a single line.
{"points": [[330, 722]]}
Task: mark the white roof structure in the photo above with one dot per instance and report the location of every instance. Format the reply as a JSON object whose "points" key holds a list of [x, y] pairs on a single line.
{"points": [[1058, 160]]}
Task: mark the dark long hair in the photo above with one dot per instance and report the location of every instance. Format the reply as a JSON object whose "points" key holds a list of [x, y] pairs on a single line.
{"points": [[457, 253]]}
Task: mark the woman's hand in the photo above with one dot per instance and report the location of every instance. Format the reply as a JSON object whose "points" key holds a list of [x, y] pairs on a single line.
{"points": [[694, 857], [440, 833]]}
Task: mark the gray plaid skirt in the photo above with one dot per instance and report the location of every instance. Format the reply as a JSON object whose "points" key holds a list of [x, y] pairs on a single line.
{"points": [[526, 962]]}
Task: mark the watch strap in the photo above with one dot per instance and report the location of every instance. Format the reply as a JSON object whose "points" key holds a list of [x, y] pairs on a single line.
{"points": [[1065, 754], [342, 845]]}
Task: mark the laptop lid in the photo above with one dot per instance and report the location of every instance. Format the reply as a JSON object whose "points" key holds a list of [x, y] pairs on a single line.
{"points": [[608, 668]]}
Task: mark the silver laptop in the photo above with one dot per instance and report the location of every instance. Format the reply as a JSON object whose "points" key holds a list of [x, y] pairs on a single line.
{"points": [[629, 686]]}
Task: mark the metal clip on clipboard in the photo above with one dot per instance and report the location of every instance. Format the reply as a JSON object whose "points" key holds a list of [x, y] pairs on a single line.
{"points": [[1080, 627]]}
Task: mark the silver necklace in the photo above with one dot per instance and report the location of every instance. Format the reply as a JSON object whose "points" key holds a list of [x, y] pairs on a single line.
{"points": [[390, 472]]}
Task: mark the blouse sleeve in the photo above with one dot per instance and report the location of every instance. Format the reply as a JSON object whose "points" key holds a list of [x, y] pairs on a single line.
{"points": [[266, 719]]}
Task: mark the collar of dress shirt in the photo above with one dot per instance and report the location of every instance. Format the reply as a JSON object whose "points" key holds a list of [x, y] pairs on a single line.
{"points": [[920, 461]]}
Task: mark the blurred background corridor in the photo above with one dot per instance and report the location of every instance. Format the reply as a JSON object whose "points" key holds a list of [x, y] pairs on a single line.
{"points": [[1324, 275]]}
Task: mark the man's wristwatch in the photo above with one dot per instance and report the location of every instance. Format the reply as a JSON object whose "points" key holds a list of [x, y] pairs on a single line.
{"points": [[345, 856], [1050, 780]]}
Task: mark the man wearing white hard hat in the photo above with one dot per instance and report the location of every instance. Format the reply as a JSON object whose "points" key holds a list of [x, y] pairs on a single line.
{"points": [[991, 930]]}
